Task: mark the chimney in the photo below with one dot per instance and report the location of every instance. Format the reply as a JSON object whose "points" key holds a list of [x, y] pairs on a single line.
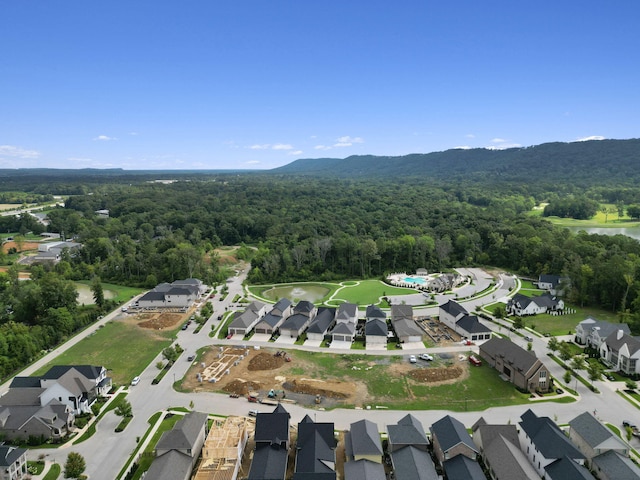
{"points": [[619, 334]]}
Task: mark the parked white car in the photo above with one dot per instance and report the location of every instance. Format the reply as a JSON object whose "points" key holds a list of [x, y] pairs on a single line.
{"points": [[412, 359], [135, 381], [426, 357]]}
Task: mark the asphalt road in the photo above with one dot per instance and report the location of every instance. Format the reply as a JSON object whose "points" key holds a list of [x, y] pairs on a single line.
{"points": [[107, 452]]}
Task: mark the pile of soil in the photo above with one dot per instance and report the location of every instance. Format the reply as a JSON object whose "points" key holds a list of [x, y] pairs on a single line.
{"points": [[432, 375], [325, 389], [265, 361], [241, 387], [161, 321]]}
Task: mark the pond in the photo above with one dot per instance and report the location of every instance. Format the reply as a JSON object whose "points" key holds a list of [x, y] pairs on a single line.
{"points": [[295, 293], [633, 232], [85, 295]]}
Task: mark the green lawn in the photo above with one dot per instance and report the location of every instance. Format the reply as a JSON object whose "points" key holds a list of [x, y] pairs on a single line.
{"points": [[125, 350], [145, 461], [482, 389], [565, 324], [122, 292], [368, 292], [54, 472]]}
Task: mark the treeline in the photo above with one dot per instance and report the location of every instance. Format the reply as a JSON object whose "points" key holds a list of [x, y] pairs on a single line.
{"points": [[578, 207]]}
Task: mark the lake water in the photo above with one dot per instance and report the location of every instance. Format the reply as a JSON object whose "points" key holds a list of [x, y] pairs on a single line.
{"points": [[85, 295], [630, 232]]}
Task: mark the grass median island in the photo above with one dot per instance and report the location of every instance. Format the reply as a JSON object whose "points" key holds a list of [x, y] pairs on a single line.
{"points": [[123, 348]]}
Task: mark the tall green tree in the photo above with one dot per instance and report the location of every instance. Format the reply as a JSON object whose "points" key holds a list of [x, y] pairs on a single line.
{"points": [[75, 465], [98, 292]]}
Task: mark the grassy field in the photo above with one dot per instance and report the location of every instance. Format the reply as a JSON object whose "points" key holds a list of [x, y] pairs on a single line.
{"points": [[482, 389], [565, 324], [600, 220], [123, 293], [125, 350]]}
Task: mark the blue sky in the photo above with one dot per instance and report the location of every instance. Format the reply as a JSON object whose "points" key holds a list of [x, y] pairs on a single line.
{"points": [[216, 84]]}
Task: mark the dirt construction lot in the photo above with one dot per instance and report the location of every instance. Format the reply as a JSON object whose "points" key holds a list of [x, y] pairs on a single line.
{"points": [[261, 371]]}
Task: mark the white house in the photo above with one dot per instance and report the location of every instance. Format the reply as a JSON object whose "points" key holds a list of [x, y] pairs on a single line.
{"points": [[622, 352], [522, 305], [592, 332]]}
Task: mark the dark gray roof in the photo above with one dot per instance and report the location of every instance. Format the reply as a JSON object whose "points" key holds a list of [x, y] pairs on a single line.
{"points": [[88, 371], [373, 311], [489, 433], [304, 307], [552, 279], [269, 463], [322, 320], [25, 382], [615, 343], [617, 466], [401, 311], [375, 327], [566, 469], [152, 296], [22, 396], [270, 319], [454, 308], [408, 431], [514, 355], [550, 441], [411, 463], [506, 459], [604, 328], [364, 470], [315, 448], [344, 328], [9, 455], [462, 467], [281, 305], [272, 428], [347, 311], [520, 299], [294, 322], [406, 327], [173, 465], [183, 291], [471, 324], [451, 432], [592, 431], [184, 433], [363, 439], [243, 319]]}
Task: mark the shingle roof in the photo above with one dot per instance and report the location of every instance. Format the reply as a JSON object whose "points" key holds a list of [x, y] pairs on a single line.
{"points": [[401, 311], [406, 327], [373, 311], [592, 431], [513, 354], [343, 328], [184, 433], [9, 455], [281, 305], [408, 431], [615, 343], [243, 319], [88, 371], [364, 470], [375, 327], [294, 322], [272, 428], [552, 279], [566, 469], [269, 463], [322, 320], [471, 324], [270, 319], [489, 433], [550, 441], [363, 439], [412, 463], [451, 432], [505, 458], [347, 311], [25, 382], [462, 467], [170, 466], [454, 308], [604, 328], [617, 466], [152, 296], [304, 307]]}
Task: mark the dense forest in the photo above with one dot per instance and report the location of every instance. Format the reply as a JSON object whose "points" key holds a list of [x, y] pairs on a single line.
{"points": [[299, 226]]}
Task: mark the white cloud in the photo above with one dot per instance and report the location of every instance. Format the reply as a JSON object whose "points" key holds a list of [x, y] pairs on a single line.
{"points": [[104, 138], [264, 146], [322, 147], [282, 146], [462, 147], [296, 152], [347, 141], [498, 140], [19, 152], [592, 137], [252, 162], [470, 135], [502, 144], [133, 134]]}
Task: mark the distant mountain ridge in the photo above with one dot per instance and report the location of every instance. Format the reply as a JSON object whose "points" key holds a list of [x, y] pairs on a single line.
{"points": [[608, 159]]}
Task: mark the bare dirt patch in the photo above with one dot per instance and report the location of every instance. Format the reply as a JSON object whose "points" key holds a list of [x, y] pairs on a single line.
{"points": [[22, 247], [239, 371], [159, 321]]}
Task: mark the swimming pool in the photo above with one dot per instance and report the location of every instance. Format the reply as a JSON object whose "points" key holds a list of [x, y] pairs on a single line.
{"points": [[416, 280]]}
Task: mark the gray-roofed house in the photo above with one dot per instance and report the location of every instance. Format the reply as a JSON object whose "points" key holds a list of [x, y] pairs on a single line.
{"points": [[592, 332], [297, 323], [375, 332], [622, 352], [178, 449], [500, 449], [315, 451], [51, 421], [362, 442], [413, 463], [544, 443], [401, 311], [13, 463], [592, 438], [469, 327], [449, 313], [408, 331], [321, 323], [520, 366], [364, 470], [462, 467], [522, 305], [408, 431], [178, 295], [269, 323], [613, 466], [566, 468], [347, 313], [450, 438], [346, 322], [552, 283], [272, 439], [244, 322]]}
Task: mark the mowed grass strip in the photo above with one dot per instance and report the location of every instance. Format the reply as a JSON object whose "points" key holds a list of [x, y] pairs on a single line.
{"points": [[369, 292], [123, 349], [566, 324]]}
